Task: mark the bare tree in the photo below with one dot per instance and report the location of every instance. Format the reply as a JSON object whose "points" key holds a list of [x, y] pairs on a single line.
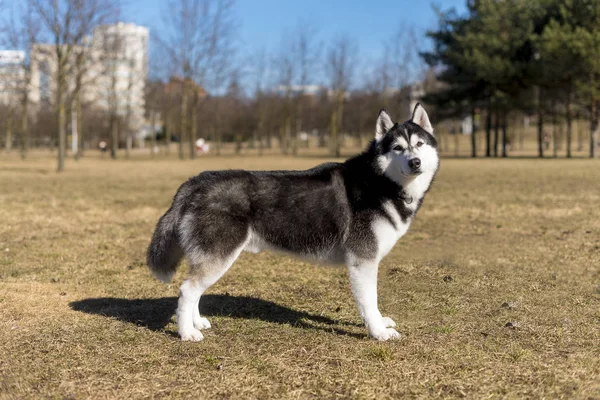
{"points": [[111, 49], [83, 60], [20, 31], [67, 23], [198, 40], [340, 66], [154, 94], [306, 51], [131, 71], [286, 71], [405, 62], [379, 80], [260, 76], [398, 67]]}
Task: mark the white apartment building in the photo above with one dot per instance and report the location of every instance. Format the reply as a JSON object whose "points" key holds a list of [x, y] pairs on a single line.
{"points": [[12, 77], [115, 68], [120, 53]]}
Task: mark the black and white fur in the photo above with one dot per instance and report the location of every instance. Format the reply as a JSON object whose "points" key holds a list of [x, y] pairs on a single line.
{"points": [[351, 213]]}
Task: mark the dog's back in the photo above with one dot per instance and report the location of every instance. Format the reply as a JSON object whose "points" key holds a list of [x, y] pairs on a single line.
{"points": [[300, 212]]}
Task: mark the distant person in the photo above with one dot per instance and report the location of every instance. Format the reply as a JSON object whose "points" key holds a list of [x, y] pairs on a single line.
{"points": [[546, 140], [202, 146], [103, 146]]}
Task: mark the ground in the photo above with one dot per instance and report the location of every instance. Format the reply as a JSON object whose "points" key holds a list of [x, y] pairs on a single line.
{"points": [[495, 290]]}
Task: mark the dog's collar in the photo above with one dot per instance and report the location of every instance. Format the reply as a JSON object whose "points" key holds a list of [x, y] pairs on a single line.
{"points": [[407, 200]]}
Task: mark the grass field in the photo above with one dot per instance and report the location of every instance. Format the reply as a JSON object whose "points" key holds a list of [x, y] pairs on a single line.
{"points": [[496, 291]]}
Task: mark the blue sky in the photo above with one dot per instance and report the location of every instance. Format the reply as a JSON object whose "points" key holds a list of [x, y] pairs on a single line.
{"points": [[263, 22]]}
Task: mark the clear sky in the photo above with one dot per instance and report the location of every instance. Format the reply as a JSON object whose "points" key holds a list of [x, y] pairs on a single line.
{"points": [[263, 22]]}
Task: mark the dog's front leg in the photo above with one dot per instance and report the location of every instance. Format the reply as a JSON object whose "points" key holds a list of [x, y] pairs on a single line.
{"points": [[363, 279]]}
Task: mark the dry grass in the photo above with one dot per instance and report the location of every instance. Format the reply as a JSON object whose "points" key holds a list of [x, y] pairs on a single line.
{"points": [[497, 242]]}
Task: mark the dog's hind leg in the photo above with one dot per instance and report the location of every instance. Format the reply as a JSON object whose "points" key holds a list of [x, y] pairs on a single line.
{"points": [[189, 296], [204, 272]]}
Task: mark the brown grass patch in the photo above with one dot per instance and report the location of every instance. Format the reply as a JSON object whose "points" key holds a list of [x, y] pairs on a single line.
{"points": [[496, 242]]}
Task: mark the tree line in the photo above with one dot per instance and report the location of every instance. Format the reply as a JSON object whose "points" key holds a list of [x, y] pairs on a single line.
{"points": [[208, 88], [535, 57], [500, 61]]}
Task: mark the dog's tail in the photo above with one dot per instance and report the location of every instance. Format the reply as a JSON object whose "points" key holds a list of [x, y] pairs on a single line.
{"points": [[164, 252]]}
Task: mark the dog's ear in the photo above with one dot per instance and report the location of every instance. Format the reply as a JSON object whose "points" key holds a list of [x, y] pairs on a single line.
{"points": [[384, 124], [421, 118]]}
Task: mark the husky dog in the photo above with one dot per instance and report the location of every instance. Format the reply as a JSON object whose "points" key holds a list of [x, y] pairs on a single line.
{"points": [[351, 213]]}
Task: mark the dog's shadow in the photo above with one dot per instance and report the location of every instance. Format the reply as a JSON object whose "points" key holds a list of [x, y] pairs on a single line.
{"points": [[155, 314]]}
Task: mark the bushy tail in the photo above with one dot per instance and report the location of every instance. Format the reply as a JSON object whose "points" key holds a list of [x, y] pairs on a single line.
{"points": [[164, 252]]}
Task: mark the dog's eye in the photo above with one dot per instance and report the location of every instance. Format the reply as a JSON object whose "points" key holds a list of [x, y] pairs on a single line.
{"points": [[419, 144], [398, 148]]}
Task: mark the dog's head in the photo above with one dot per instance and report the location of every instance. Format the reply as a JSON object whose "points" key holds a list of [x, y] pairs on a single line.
{"points": [[406, 151]]}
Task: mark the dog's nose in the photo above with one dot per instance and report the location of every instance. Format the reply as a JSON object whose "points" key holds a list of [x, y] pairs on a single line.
{"points": [[415, 163]]}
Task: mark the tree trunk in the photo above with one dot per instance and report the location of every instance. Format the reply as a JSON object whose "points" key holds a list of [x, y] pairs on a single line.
{"points": [[74, 132], [62, 136], [184, 116], [25, 127], [168, 132], [340, 120], [260, 145], [259, 130], [286, 134], [114, 137], [569, 124], [560, 136], [152, 132], [457, 139], [336, 119], [269, 139], [520, 124], [80, 127], [333, 147], [554, 131], [488, 130], [194, 127], [128, 142], [298, 125], [282, 137], [8, 142], [217, 129], [238, 144], [213, 135], [473, 134], [496, 131], [504, 137], [579, 131], [593, 127], [294, 141], [321, 142], [540, 125]]}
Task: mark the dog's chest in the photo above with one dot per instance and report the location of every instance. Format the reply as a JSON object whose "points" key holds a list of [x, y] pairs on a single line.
{"points": [[387, 231]]}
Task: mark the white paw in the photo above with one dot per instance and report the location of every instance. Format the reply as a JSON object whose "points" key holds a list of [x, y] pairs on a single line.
{"points": [[201, 323], [385, 334], [388, 322], [192, 335]]}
